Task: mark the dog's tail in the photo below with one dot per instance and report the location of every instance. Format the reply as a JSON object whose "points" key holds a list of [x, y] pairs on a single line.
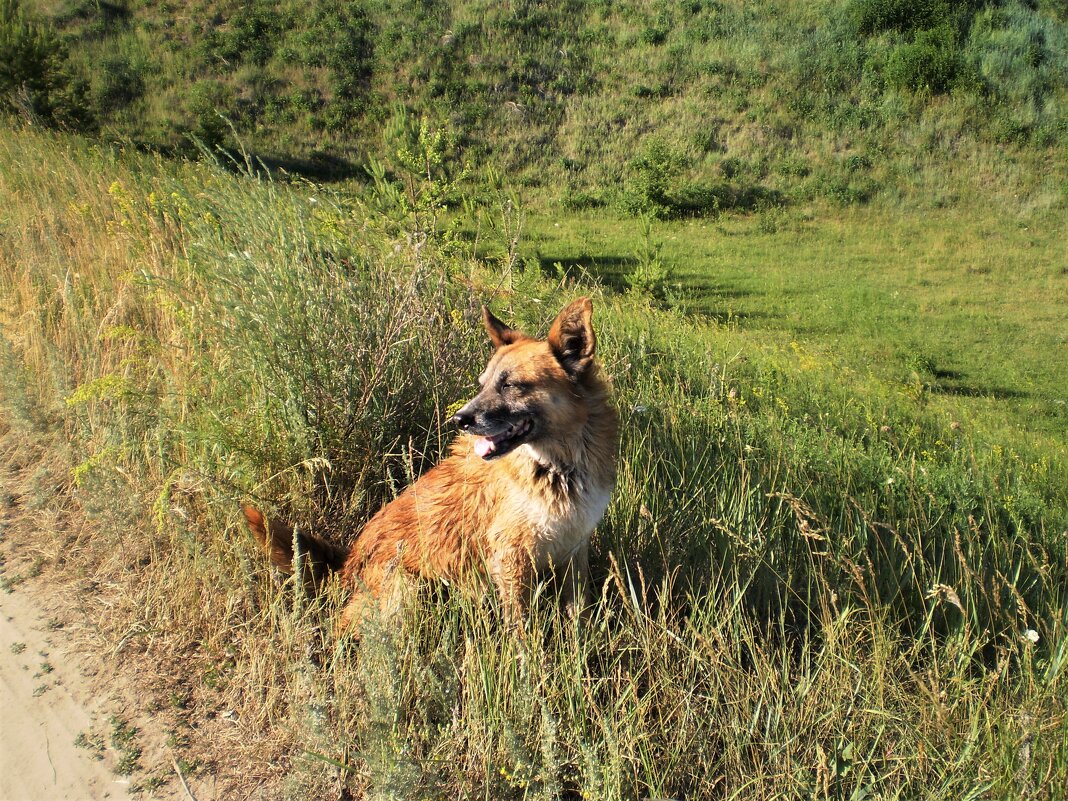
{"points": [[277, 540]]}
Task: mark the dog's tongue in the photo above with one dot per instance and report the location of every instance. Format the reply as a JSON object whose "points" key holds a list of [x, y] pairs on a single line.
{"points": [[483, 446]]}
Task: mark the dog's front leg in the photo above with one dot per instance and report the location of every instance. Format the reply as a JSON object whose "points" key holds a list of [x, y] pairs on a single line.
{"points": [[513, 575], [575, 591]]}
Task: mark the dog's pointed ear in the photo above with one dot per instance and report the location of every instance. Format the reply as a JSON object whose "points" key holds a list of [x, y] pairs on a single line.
{"points": [[499, 333], [571, 337]]}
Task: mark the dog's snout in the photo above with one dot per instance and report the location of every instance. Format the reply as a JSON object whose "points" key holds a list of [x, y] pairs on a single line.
{"points": [[463, 419]]}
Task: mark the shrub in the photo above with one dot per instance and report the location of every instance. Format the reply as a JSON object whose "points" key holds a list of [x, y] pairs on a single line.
{"points": [[341, 39], [118, 83], [253, 34], [36, 79], [208, 100], [929, 62], [878, 16], [651, 172], [794, 165], [846, 191], [578, 199]]}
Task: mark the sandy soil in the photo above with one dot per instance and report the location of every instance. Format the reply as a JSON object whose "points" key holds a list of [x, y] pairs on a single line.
{"points": [[58, 719], [47, 703], [81, 715]]}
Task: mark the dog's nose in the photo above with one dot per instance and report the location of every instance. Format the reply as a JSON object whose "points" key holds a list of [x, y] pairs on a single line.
{"points": [[463, 419]]}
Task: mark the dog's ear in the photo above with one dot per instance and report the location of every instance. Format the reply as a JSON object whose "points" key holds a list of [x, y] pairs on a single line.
{"points": [[499, 333], [571, 337]]}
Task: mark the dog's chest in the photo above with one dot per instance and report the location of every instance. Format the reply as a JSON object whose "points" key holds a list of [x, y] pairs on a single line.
{"points": [[561, 513]]}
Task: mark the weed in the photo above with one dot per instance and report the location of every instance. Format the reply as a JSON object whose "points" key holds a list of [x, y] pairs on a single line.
{"points": [[93, 743], [124, 741]]}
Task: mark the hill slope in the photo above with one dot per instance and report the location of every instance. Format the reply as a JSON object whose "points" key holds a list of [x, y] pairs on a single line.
{"points": [[842, 99]]}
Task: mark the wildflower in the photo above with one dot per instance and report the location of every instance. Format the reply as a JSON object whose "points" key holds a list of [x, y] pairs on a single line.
{"points": [[1030, 635]]}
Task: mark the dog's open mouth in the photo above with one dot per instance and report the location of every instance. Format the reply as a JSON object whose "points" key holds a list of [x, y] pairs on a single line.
{"points": [[504, 442]]}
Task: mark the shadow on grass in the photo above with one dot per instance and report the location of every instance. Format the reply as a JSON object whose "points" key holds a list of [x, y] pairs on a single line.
{"points": [[973, 391], [609, 271], [953, 383]]}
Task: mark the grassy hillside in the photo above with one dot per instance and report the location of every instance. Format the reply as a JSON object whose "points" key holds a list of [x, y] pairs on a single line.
{"points": [[678, 108], [810, 583]]}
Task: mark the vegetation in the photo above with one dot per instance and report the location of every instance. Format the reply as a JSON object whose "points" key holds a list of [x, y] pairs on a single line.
{"points": [[676, 108], [809, 582], [825, 243]]}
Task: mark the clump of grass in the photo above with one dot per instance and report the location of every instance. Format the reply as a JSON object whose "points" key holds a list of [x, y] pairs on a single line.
{"points": [[93, 743]]}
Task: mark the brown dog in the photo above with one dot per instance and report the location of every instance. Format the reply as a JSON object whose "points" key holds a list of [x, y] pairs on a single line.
{"points": [[528, 480]]}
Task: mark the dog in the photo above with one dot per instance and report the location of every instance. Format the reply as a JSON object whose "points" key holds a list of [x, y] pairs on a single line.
{"points": [[528, 479]]}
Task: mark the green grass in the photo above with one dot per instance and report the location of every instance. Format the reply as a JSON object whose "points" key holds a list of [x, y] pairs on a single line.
{"points": [[810, 582], [836, 99], [961, 309]]}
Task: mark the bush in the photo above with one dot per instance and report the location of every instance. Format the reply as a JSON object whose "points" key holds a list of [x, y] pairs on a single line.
{"points": [[930, 62], [209, 99], [651, 173], [253, 34], [118, 83], [36, 80], [341, 38], [878, 16], [578, 199]]}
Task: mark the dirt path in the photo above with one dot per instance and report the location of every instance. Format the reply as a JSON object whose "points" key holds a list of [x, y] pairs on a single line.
{"points": [[47, 704], [64, 734]]}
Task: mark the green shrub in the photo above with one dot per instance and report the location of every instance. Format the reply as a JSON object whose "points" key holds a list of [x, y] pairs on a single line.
{"points": [[878, 16], [253, 34], [650, 176], [578, 199], [341, 39], [117, 83], [36, 79], [846, 191], [209, 101], [930, 62]]}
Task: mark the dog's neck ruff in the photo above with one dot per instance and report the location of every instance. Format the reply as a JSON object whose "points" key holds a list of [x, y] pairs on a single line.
{"points": [[560, 477]]}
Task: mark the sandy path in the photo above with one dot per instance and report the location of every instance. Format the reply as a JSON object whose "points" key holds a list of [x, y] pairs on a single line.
{"points": [[45, 703]]}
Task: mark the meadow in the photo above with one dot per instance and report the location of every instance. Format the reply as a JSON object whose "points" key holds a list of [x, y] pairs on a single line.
{"points": [[243, 248], [810, 581], [932, 303]]}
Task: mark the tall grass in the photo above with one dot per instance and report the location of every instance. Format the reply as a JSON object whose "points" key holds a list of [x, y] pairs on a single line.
{"points": [[805, 587]]}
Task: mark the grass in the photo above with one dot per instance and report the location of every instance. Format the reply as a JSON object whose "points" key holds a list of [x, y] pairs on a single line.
{"points": [[837, 98], [932, 303], [811, 583]]}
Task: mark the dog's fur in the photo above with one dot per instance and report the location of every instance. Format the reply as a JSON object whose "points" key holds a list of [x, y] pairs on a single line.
{"points": [[528, 480]]}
